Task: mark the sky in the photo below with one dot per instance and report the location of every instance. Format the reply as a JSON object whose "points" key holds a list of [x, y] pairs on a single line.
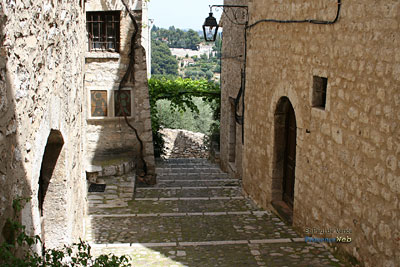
{"points": [[183, 14]]}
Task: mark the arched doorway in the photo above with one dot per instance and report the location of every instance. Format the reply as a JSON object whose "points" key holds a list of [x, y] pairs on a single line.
{"points": [[284, 157], [52, 166]]}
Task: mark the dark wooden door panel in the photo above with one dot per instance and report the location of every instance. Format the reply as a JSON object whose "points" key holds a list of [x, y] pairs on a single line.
{"points": [[289, 157]]}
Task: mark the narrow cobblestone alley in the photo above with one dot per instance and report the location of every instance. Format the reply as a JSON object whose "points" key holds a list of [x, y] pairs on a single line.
{"points": [[195, 216]]}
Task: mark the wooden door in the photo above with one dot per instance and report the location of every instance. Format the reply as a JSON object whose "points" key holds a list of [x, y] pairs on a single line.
{"points": [[289, 157]]}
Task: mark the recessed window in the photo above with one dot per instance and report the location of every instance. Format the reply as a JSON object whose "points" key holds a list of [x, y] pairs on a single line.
{"points": [[110, 103], [103, 30], [319, 91]]}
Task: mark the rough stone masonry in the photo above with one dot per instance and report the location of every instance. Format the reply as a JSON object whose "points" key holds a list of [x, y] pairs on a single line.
{"points": [[48, 138], [347, 170], [41, 101]]}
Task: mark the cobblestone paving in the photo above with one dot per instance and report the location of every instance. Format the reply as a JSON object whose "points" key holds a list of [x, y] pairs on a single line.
{"points": [[195, 216]]}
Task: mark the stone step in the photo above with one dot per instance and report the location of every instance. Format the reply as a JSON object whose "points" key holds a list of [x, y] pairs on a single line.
{"points": [[118, 191], [222, 254], [188, 192], [178, 171], [194, 183], [118, 166], [183, 161], [180, 228], [184, 164], [183, 205], [196, 216], [193, 177]]}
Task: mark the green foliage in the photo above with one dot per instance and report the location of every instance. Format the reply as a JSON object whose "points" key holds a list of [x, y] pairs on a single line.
{"points": [[188, 120], [162, 61], [176, 38], [209, 74], [203, 68], [194, 74], [163, 64], [19, 251], [181, 91], [217, 69], [218, 46], [181, 94], [162, 76]]}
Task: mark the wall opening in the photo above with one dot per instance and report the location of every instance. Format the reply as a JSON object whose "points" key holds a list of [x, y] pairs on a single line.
{"points": [[283, 179], [48, 170], [320, 85], [232, 134]]}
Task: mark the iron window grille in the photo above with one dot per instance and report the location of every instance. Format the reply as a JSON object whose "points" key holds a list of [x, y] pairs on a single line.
{"points": [[103, 29]]}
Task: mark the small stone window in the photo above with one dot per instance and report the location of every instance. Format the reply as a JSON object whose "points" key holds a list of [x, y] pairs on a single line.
{"points": [[319, 92], [103, 29], [110, 103]]}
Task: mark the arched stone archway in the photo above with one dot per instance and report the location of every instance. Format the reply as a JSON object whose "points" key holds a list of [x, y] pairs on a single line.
{"points": [[51, 190], [283, 176]]}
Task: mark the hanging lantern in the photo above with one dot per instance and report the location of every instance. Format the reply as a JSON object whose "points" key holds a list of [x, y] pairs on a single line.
{"points": [[210, 28]]}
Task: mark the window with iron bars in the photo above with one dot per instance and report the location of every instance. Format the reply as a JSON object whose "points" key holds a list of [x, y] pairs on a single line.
{"points": [[103, 30]]}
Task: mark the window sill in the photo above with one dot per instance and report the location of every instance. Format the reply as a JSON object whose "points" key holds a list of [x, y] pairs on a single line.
{"points": [[318, 112], [319, 108], [113, 55]]}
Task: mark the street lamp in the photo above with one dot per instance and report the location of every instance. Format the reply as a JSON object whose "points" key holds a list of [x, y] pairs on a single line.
{"points": [[210, 28]]}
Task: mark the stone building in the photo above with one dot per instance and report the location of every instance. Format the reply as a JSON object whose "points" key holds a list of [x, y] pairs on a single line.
{"points": [[322, 120], [42, 121], [232, 81], [52, 130], [107, 59]]}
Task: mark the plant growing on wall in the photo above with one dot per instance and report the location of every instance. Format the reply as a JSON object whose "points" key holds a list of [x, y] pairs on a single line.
{"points": [[17, 250]]}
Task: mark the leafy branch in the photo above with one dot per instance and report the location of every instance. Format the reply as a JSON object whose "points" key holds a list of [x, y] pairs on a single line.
{"points": [[18, 250]]}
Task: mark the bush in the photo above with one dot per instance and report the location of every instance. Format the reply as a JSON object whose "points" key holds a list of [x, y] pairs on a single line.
{"points": [[188, 120], [18, 250]]}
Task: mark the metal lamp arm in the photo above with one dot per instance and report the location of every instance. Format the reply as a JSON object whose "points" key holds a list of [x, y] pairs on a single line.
{"points": [[235, 11]]}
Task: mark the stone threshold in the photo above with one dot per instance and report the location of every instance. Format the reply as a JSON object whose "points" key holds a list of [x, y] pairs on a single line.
{"points": [[188, 214], [197, 180], [186, 187], [185, 198], [203, 243]]}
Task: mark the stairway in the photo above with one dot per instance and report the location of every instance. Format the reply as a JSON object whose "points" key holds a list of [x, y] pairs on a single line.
{"points": [[196, 215]]}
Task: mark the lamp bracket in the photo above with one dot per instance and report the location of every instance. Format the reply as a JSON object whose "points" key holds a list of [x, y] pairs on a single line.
{"points": [[237, 14]]}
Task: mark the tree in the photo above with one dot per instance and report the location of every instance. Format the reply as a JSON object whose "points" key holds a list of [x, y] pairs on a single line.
{"points": [[162, 61], [176, 38], [192, 40], [209, 74]]}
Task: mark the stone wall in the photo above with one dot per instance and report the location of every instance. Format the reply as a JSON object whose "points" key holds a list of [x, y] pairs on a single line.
{"points": [[231, 68], [110, 136], [183, 144], [41, 92], [348, 153]]}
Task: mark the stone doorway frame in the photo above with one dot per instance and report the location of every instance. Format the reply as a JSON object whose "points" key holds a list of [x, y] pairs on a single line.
{"points": [[52, 191], [280, 114]]}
